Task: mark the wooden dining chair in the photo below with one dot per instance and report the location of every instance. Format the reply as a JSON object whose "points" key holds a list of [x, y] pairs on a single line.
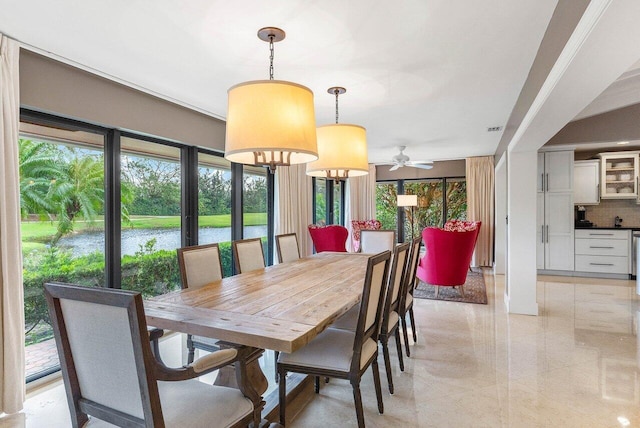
{"points": [[376, 241], [287, 246], [199, 266], [341, 353], [110, 372], [406, 304], [390, 319], [248, 255]]}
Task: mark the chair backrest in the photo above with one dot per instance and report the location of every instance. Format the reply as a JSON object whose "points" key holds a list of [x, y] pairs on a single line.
{"points": [[105, 355], [412, 266], [287, 245], [371, 306], [447, 257], [396, 280], [329, 238], [375, 241], [199, 265], [248, 255], [357, 226]]}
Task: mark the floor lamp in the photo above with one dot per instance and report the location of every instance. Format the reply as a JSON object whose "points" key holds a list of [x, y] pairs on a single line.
{"points": [[408, 201]]}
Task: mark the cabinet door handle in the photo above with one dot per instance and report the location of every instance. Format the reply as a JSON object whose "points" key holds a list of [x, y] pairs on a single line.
{"points": [[547, 182], [547, 234], [542, 182], [610, 248], [542, 234], [601, 234], [601, 264], [598, 192]]}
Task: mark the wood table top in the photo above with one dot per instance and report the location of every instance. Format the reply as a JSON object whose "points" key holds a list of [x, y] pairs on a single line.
{"points": [[281, 307]]}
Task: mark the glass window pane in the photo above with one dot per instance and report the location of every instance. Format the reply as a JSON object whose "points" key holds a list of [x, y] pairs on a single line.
{"points": [[62, 209], [337, 206], [151, 219], [254, 205], [214, 205], [320, 194], [387, 205], [456, 199], [429, 209]]}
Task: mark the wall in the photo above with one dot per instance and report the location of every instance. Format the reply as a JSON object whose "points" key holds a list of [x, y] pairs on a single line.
{"points": [[603, 214], [50, 86], [453, 168]]}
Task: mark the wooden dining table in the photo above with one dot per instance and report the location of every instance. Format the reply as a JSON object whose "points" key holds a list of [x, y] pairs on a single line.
{"points": [[280, 307]]}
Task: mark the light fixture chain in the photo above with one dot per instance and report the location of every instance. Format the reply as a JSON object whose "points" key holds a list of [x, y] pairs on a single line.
{"points": [[337, 92], [271, 57]]}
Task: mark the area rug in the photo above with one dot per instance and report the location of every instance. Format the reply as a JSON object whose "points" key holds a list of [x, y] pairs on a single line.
{"points": [[474, 291]]}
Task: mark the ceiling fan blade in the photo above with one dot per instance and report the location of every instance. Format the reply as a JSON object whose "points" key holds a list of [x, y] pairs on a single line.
{"points": [[422, 165], [393, 168]]}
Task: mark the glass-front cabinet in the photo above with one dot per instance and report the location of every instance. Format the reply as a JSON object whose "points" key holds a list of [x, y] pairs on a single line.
{"points": [[619, 176]]}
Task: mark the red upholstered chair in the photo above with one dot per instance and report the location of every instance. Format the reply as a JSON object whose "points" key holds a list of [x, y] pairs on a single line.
{"points": [[357, 226], [329, 238], [448, 254]]}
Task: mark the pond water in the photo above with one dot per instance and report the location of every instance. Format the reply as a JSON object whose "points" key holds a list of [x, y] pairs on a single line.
{"points": [[166, 239]]}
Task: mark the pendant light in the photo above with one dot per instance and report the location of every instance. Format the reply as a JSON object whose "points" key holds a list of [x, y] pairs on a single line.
{"points": [[270, 122], [342, 149]]}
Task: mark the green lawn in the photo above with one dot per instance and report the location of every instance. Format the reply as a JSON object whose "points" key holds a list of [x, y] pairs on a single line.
{"points": [[42, 231]]}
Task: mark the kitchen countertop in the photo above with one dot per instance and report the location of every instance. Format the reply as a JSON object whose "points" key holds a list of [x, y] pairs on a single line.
{"points": [[608, 228]]}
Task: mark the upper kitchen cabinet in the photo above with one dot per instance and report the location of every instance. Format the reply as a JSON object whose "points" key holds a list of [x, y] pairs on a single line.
{"points": [[558, 171], [619, 176], [586, 182]]}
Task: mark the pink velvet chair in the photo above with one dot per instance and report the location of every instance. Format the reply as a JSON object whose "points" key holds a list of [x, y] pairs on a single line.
{"points": [[448, 254], [329, 238], [357, 226]]}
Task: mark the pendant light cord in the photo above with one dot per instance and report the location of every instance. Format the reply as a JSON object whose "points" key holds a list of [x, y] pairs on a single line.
{"points": [[271, 56], [337, 92]]}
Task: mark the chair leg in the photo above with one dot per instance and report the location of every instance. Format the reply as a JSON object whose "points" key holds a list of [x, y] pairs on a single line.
{"points": [[275, 364], [316, 382], [282, 395], [461, 290], [399, 348], [191, 348], [357, 398], [403, 319], [376, 383], [413, 325], [437, 290], [387, 361]]}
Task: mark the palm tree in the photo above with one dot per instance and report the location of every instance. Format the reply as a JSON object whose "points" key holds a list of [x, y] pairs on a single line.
{"points": [[78, 192], [38, 167]]}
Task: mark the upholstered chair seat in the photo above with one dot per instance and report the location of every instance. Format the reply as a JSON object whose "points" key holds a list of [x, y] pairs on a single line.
{"points": [[287, 246], [359, 225], [375, 241], [329, 238], [248, 255]]}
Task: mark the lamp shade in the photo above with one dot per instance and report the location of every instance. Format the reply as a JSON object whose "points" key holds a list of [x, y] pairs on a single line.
{"points": [[270, 122], [342, 152], [407, 200]]}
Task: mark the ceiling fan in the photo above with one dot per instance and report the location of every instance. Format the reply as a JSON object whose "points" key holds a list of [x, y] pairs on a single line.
{"points": [[401, 160]]}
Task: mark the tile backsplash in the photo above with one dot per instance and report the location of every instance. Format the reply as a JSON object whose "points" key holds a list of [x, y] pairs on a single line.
{"points": [[603, 215]]}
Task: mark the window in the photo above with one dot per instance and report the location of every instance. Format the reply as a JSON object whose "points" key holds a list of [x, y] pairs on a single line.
{"points": [[328, 201], [102, 207], [439, 199], [214, 205], [151, 220], [254, 205], [63, 233]]}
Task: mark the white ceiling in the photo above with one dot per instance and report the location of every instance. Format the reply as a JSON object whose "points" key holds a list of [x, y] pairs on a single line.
{"points": [[429, 74]]}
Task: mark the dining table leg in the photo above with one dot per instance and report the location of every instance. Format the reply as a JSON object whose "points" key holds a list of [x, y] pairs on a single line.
{"points": [[247, 376]]}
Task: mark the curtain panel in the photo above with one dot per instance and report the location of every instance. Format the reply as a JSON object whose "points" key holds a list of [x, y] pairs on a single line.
{"points": [[12, 374], [480, 204], [361, 199], [293, 210]]}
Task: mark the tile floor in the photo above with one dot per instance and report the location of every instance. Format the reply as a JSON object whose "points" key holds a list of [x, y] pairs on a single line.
{"points": [[575, 365]]}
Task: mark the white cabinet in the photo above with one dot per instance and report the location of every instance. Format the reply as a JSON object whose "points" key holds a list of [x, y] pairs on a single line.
{"points": [[586, 182], [555, 218], [603, 251], [619, 176]]}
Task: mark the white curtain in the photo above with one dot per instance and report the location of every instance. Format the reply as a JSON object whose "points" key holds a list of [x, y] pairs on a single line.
{"points": [[480, 203], [12, 385], [293, 210], [361, 199]]}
